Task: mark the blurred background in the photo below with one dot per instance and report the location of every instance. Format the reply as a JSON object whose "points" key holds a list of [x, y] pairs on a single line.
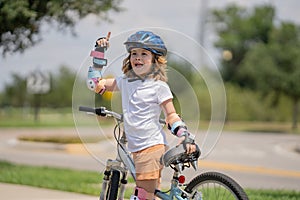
{"points": [[255, 46]]}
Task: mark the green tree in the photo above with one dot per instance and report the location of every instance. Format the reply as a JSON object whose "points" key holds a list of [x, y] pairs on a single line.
{"points": [[239, 30], [261, 54], [21, 20], [274, 68], [14, 94], [61, 89]]}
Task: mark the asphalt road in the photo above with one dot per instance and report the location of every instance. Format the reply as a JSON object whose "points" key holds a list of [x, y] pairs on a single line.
{"points": [[254, 160]]}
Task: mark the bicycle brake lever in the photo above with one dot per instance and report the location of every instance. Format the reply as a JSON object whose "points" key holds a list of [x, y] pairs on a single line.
{"points": [[100, 111]]}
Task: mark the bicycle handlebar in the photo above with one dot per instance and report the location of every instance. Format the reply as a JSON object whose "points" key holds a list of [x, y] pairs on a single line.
{"points": [[101, 111], [87, 109]]}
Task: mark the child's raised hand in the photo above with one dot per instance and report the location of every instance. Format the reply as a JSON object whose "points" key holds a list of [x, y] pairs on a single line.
{"points": [[103, 41]]}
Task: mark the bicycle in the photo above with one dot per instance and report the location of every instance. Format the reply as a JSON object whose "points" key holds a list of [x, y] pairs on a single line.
{"points": [[205, 186]]}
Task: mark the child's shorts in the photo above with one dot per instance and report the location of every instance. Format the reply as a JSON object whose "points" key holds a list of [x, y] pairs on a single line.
{"points": [[147, 162]]}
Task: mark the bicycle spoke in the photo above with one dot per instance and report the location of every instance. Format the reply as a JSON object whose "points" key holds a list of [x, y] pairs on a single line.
{"points": [[216, 186]]}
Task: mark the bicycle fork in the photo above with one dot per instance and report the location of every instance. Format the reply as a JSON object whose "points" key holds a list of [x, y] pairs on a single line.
{"points": [[123, 185], [107, 174]]}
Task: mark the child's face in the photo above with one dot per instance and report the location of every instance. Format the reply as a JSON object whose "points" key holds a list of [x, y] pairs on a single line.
{"points": [[141, 61]]}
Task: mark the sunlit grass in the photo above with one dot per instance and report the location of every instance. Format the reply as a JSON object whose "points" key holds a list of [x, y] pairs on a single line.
{"points": [[264, 127], [63, 117]]}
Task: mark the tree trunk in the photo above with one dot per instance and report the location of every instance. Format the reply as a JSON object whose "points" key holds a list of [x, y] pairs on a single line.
{"points": [[37, 105], [295, 113]]}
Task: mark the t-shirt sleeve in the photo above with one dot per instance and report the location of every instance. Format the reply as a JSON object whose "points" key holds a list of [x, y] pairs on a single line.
{"points": [[119, 82], [164, 93]]}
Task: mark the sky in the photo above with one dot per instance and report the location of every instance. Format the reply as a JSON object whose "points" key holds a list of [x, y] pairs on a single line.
{"points": [[61, 48]]}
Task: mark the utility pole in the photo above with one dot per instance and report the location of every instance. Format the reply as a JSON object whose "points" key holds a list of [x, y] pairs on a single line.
{"points": [[38, 83], [203, 13], [202, 22]]}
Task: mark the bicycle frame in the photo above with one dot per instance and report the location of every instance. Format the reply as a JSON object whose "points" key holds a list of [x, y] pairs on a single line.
{"points": [[123, 157], [124, 163], [175, 190]]}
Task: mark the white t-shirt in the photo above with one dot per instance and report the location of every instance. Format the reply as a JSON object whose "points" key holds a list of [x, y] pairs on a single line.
{"points": [[141, 109]]}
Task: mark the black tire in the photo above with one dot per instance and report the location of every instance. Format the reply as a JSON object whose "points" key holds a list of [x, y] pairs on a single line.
{"points": [[112, 190], [214, 186]]}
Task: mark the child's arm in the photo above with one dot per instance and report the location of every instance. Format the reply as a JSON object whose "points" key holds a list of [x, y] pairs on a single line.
{"points": [[109, 84], [177, 126]]}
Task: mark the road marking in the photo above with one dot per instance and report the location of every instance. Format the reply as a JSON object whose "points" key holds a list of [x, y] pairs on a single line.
{"points": [[79, 149], [249, 169]]}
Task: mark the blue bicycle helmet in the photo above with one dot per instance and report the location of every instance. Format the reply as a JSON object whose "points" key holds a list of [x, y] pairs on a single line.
{"points": [[146, 40]]}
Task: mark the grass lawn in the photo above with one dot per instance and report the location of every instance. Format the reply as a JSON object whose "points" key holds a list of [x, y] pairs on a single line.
{"points": [[88, 182], [85, 182], [265, 127], [47, 118]]}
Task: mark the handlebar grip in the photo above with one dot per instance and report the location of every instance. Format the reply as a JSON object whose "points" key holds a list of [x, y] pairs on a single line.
{"points": [[87, 109], [98, 111]]}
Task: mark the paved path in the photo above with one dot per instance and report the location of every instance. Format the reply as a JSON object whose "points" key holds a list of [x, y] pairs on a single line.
{"points": [[18, 192]]}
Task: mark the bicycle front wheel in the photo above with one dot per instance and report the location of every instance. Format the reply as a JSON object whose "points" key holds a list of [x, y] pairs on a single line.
{"points": [[112, 191], [215, 186]]}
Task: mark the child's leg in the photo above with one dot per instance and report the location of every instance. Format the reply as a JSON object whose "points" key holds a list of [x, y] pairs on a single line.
{"points": [[149, 186], [148, 170]]}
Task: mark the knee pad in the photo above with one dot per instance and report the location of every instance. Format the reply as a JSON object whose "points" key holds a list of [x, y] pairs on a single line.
{"points": [[139, 194]]}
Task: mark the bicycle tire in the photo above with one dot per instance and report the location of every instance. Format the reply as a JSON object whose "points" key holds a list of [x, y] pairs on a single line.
{"points": [[112, 190], [214, 185]]}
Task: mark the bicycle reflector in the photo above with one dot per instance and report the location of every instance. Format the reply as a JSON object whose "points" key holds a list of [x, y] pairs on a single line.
{"points": [[181, 179]]}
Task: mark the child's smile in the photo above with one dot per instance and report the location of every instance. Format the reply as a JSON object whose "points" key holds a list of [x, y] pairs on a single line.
{"points": [[141, 61]]}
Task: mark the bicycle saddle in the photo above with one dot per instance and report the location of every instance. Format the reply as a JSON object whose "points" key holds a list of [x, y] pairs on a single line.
{"points": [[178, 155]]}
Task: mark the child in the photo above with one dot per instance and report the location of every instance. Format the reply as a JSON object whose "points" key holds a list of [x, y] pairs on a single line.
{"points": [[145, 94]]}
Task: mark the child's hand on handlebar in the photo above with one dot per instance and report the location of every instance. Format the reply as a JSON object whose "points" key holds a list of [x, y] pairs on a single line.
{"points": [[188, 142], [190, 148]]}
